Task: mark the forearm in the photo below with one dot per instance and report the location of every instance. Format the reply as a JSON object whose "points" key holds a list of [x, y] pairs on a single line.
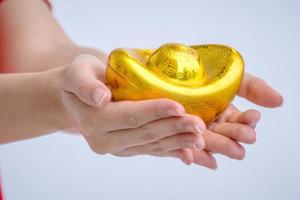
{"points": [[30, 105], [34, 40], [29, 30]]}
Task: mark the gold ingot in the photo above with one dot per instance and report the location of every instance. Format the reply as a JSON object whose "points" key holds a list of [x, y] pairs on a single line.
{"points": [[203, 78]]}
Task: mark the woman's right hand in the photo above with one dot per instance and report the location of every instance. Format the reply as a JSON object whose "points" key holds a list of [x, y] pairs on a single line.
{"points": [[156, 127]]}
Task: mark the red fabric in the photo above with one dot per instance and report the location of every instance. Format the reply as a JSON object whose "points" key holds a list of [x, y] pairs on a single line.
{"points": [[3, 50], [4, 47], [1, 195]]}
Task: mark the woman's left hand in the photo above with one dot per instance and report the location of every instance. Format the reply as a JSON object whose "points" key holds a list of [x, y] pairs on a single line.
{"points": [[225, 134], [233, 127]]}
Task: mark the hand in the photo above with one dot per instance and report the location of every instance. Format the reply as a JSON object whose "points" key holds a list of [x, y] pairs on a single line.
{"points": [[126, 128], [256, 90], [233, 127]]}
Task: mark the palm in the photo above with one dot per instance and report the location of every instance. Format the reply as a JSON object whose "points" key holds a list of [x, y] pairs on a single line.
{"points": [[233, 127]]}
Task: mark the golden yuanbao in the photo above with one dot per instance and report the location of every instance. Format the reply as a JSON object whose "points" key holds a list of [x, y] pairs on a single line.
{"points": [[203, 78]]}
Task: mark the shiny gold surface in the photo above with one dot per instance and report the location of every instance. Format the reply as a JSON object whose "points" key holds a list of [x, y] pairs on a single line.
{"points": [[203, 78]]}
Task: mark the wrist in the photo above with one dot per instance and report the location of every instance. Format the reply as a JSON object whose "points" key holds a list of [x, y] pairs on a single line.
{"points": [[52, 84]]}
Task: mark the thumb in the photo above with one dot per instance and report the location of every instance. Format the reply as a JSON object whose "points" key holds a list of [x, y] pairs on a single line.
{"points": [[259, 92], [84, 78]]}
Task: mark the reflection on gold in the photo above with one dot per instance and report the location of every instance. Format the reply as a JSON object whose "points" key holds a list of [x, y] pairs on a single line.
{"points": [[203, 78]]}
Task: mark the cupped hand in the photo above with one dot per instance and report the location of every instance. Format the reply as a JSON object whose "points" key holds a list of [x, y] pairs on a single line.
{"points": [[127, 128], [233, 127], [157, 127]]}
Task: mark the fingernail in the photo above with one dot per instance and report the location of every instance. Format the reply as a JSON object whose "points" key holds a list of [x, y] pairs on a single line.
{"points": [[99, 96], [196, 128], [174, 112]]}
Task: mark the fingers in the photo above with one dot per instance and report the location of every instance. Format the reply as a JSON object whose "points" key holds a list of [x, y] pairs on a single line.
{"points": [[85, 78], [133, 114], [186, 155], [233, 115], [259, 92], [161, 135], [185, 140], [189, 156], [187, 147], [231, 110], [235, 131], [216, 143], [249, 117], [204, 158]]}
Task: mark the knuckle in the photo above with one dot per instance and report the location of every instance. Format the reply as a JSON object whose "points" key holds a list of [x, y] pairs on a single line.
{"points": [[160, 107], [157, 147], [98, 150], [179, 124], [131, 119], [187, 140], [101, 149], [198, 120], [182, 124], [158, 112], [148, 135]]}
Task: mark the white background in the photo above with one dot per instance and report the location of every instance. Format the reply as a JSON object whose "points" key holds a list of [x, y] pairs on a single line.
{"points": [[267, 33]]}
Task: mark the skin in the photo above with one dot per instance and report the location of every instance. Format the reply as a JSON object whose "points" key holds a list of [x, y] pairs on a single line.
{"points": [[223, 136], [64, 89]]}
